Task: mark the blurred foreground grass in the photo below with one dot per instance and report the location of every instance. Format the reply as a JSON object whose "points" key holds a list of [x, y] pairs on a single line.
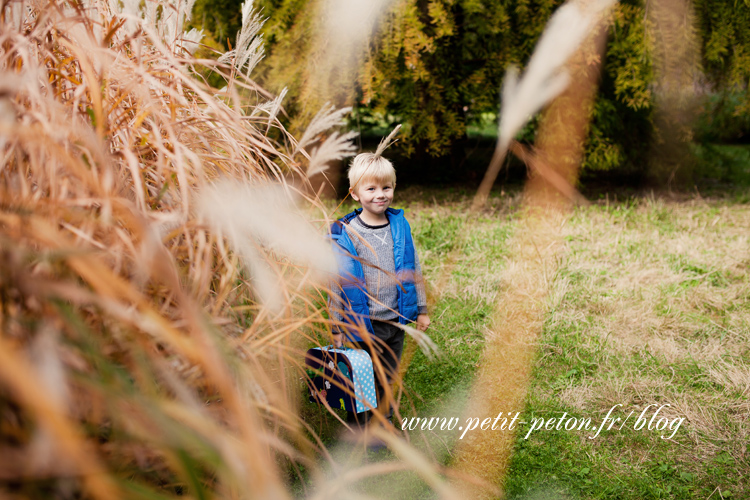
{"points": [[151, 299]]}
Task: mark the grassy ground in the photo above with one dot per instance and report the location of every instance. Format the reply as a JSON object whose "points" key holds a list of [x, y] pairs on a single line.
{"points": [[650, 305]]}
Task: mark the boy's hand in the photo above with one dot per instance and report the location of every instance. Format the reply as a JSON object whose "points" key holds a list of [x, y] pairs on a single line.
{"points": [[423, 322]]}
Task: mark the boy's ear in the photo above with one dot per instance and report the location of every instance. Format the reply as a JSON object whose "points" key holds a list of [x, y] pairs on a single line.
{"points": [[353, 194]]}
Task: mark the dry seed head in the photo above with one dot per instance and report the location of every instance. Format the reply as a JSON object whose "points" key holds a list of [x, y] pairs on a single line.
{"points": [[191, 40], [335, 147], [260, 218], [16, 14], [545, 78], [271, 107], [249, 47], [328, 117], [386, 143]]}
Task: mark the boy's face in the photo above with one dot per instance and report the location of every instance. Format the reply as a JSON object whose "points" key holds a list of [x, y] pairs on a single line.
{"points": [[374, 195]]}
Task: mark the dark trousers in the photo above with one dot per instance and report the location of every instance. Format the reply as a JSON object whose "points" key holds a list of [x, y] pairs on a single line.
{"points": [[387, 344]]}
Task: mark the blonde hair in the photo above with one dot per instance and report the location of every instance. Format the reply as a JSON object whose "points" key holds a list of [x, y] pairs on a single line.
{"points": [[369, 166]]}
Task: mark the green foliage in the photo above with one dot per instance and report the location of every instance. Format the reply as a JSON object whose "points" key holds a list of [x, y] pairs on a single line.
{"points": [[724, 164], [722, 118], [437, 67], [439, 64], [220, 21], [724, 27], [621, 122], [288, 33]]}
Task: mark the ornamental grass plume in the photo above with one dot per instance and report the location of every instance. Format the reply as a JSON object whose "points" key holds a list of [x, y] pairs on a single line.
{"points": [[544, 79], [335, 147], [134, 361], [249, 49]]}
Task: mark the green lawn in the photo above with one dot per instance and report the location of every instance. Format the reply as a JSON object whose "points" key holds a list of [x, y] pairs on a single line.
{"points": [[649, 306]]}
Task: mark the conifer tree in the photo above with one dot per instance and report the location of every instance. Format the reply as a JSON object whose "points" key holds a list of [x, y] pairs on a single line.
{"points": [[437, 65]]}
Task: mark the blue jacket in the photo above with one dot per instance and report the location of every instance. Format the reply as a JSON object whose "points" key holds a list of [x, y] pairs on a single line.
{"points": [[352, 291]]}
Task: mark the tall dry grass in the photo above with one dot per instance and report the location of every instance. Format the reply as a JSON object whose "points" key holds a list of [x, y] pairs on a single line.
{"points": [[134, 360]]}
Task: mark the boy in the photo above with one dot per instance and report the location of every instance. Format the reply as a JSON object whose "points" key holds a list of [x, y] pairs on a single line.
{"points": [[379, 273]]}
